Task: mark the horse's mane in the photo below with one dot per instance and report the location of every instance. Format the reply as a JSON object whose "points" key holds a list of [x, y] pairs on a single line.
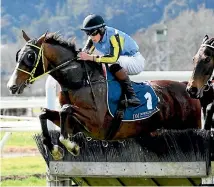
{"points": [[56, 39]]}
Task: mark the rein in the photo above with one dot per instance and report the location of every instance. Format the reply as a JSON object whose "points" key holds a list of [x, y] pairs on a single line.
{"points": [[40, 54], [89, 81]]}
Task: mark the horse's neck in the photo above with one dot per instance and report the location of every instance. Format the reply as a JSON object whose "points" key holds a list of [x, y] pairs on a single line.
{"points": [[56, 57], [59, 55]]}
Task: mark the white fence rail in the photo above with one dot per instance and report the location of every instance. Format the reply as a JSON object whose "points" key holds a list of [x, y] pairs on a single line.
{"points": [[11, 124], [17, 118], [19, 124], [19, 102], [162, 75], [7, 103]]}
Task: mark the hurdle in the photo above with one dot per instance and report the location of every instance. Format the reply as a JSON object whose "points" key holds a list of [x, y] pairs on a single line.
{"points": [[172, 157]]}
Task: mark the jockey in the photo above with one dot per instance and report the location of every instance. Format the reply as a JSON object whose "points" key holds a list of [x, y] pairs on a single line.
{"points": [[117, 48]]}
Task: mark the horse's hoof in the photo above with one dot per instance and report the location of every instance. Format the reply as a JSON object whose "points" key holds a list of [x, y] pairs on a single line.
{"points": [[76, 150], [57, 152], [72, 147]]}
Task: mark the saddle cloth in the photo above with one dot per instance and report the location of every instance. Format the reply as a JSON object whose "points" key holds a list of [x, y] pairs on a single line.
{"points": [[144, 92]]}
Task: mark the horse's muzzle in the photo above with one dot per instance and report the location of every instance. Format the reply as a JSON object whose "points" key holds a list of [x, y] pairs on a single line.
{"points": [[13, 89], [17, 89]]}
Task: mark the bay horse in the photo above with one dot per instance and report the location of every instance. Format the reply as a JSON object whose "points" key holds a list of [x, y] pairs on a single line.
{"points": [[83, 96], [201, 83]]}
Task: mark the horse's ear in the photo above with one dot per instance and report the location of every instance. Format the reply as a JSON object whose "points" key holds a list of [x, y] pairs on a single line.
{"points": [[25, 36], [42, 38], [206, 37]]}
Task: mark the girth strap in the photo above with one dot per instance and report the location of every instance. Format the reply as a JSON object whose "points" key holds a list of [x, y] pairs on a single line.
{"points": [[118, 117]]}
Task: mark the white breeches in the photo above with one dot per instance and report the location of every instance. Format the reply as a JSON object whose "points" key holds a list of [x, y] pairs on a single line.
{"points": [[132, 64]]}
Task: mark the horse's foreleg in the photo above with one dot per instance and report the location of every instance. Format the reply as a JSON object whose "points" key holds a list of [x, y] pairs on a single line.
{"points": [[209, 116], [53, 116], [65, 113]]}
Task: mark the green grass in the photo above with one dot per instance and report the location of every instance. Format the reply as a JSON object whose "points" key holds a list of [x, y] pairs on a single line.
{"points": [[31, 181], [20, 139], [22, 166]]}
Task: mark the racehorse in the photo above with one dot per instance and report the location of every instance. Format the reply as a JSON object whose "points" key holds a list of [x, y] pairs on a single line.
{"points": [[83, 96], [201, 85]]}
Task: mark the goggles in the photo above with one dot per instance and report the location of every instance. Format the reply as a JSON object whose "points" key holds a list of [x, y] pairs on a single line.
{"points": [[92, 32]]}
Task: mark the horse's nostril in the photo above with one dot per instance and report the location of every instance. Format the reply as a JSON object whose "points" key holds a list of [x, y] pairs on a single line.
{"points": [[192, 90], [13, 87]]}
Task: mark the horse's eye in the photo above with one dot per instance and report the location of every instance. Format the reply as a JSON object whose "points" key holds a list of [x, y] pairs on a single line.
{"points": [[207, 59], [31, 57]]}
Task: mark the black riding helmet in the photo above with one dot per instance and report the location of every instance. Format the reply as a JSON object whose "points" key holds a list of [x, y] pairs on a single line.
{"points": [[93, 22]]}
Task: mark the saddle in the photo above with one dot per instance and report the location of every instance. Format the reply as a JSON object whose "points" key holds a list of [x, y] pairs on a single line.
{"points": [[120, 111]]}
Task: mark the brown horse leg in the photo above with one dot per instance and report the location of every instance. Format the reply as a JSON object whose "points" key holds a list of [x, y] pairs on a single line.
{"points": [[209, 116], [65, 115], [53, 116]]}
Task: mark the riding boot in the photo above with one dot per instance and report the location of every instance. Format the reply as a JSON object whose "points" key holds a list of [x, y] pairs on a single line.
{"points": [[126, 85]]}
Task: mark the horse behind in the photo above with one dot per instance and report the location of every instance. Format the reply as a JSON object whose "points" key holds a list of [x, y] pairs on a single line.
{"points": [[83, 96], [201, 84]]}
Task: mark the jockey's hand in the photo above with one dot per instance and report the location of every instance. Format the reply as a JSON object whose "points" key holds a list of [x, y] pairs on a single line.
{"points": [[85, 56]]}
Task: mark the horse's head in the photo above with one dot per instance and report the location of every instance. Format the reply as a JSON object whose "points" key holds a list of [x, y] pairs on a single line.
{"points": [[203, 68], [29, 64], [50, 54]]}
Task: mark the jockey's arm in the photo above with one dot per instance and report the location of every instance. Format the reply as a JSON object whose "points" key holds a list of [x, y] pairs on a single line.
{"points": [[114, 51], [89, 47]]}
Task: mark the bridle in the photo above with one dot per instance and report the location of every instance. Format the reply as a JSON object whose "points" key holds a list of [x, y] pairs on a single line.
{"points": [[208, 84], [32, 73], [40, 57], [207, 45]]}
